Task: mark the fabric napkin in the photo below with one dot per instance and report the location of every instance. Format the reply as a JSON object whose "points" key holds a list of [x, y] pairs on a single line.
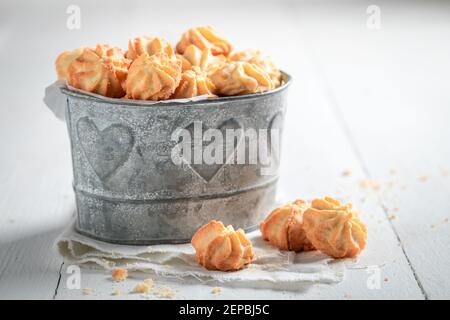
{"points": [[272, 268]]}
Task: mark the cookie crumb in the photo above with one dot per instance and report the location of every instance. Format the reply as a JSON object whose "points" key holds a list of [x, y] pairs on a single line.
{"points": [[386, 279], [149, 282], [423, 178], [440, 223], [445, 173], [88, 291], [116, 292], [392, 217], [369, 184], [144, 287], [119, 274], [216, 290], [165, 292], [346, 173]]}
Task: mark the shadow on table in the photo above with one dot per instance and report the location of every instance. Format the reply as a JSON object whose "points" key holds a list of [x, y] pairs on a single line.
{"points": [[30, 266]]}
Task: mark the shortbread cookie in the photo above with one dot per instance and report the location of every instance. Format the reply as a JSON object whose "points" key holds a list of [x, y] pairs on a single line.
{"points": [[237, 78], [64, 60], [261, 60], [283, 228], [220, 248], [203, 38], [204, 59], [193, 83], [101, 70], [153, 77], [334, 228], [150, 45]]}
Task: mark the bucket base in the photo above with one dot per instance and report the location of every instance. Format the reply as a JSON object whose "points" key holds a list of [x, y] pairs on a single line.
{"points": [[169, 221]]}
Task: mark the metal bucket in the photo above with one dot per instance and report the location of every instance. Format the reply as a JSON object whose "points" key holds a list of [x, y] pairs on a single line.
{"points": [[128, 188]]}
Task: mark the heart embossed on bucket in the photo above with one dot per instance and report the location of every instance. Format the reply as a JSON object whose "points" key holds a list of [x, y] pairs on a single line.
{"points": [[106, 150], [208, 171]]}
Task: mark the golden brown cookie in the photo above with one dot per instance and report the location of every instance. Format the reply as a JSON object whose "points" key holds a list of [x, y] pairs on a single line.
{"points": [[150, 45], [283, 228], [193, 83], [101, 70], [64, 60], [261, 60], [220, 248], [185, 64], [237, 78], [204, 38], [204, 59], [153, 77], [334, 228]]}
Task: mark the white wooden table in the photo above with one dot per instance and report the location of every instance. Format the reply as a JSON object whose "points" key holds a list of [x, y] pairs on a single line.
{"points": [[367, 122]]}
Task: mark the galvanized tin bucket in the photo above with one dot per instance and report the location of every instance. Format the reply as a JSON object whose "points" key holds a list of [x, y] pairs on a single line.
{"points": [[130, 191]]}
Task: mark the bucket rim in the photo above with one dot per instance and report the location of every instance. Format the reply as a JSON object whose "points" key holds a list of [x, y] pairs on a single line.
{"points": [[287, 80]]}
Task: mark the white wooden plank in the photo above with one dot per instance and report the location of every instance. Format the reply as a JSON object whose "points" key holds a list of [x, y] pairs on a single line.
{"points": [[390, 87], [36, 203]]}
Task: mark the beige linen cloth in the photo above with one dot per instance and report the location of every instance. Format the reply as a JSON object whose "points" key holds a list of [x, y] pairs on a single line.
{"points": [[271, 268]]}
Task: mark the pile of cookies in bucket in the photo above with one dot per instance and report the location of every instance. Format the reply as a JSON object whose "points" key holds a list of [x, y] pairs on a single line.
{"points": [[203, 63], [324, 224]]}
